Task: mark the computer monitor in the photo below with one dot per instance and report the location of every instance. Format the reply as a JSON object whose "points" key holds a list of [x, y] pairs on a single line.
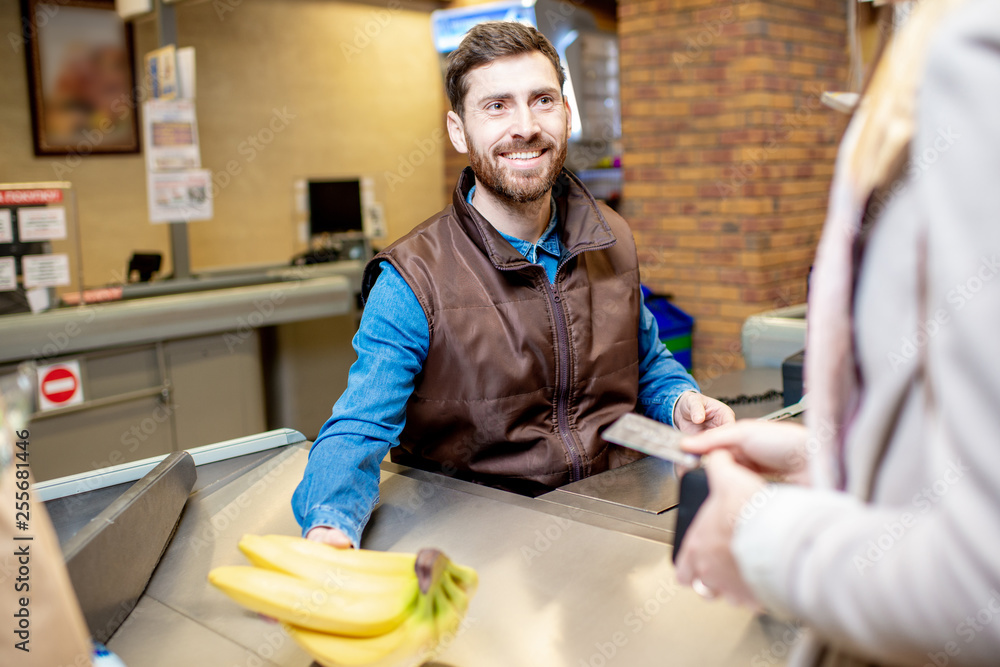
{"points": [[335, 207]]}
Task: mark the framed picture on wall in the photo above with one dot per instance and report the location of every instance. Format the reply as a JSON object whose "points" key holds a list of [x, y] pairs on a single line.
{"points": [[81, 77]]}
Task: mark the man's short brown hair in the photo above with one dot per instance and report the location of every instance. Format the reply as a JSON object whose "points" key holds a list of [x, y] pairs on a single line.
{"points": [[490, 41]]}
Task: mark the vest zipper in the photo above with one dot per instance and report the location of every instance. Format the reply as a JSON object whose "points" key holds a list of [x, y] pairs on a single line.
{"points": [[562, 381], [562, 358]]}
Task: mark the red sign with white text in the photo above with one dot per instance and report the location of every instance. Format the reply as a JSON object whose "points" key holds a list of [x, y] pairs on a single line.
{"points": [[27, 197]]}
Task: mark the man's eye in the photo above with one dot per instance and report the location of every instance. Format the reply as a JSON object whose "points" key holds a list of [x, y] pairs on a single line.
{"points": [[546, 100], [496, 106]]}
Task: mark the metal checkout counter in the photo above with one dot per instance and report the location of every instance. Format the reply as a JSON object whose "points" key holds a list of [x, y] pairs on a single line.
{"points": [[578, 577], [178, 364]]}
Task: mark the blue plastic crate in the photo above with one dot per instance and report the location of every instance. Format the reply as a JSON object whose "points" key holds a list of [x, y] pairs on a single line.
{"points": [[675, 326]]}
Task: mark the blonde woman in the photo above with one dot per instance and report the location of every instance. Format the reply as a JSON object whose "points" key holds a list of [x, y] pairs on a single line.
{"points": [[877, 525]]}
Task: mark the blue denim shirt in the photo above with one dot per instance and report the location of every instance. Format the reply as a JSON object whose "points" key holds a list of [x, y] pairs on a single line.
{"points": [[340, 484]]}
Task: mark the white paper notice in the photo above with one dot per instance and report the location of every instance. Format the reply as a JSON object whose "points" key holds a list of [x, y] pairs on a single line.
{"points": [[171, 135], [8, 275], [6, 229], [45, 270], [41, 223], [38, 299], [185, 72], [180, 196]]}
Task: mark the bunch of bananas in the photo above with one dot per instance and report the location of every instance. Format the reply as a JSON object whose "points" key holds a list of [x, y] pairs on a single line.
{"points": [[352, 606]]}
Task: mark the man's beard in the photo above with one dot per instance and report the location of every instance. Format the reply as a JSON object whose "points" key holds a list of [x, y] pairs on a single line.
{"points": [[513, 185]]}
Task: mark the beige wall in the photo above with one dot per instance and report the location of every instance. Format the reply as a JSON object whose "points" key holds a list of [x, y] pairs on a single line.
{"points": [[373, 110]]}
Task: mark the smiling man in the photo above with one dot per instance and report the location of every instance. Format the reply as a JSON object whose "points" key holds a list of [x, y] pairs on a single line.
{"points": [[502, 335]]}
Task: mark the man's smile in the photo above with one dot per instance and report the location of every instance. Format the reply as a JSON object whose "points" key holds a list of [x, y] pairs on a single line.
{"points": [[524, 155]]}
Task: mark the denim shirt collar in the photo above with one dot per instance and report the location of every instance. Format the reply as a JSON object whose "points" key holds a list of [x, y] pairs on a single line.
{"points": [[548, 242]]}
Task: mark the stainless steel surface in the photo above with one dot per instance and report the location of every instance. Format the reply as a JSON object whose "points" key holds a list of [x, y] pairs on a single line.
{"points": [[793, 410], [213, 522], [597, 513], [168, 317], [196, 283], [181, 641], [100, 437], [72, 512], [112, 558], [126, 397], [153, 399], [128, 472], [650, 437], [307, 364], [648, 485], [352, 269], [560, 586], [622, 519], [749, 382], [242, 276], [216, 387]]}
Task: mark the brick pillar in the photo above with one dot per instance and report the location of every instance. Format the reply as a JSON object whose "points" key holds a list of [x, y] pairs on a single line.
{"points": [[728, 153]]}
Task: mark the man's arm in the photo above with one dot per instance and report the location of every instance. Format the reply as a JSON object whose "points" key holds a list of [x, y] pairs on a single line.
{"points": [[667, 392], [340, 486]]}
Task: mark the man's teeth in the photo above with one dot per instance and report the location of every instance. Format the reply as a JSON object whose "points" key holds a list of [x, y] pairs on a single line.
{"points": [[522, 156]]}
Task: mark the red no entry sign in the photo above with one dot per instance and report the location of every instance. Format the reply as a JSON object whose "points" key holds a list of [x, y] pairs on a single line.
{"points": [[59, 385]]}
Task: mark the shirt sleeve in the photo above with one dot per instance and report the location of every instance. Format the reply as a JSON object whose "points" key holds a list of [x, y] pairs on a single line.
{"points": [[662, 379], [340, 485]]}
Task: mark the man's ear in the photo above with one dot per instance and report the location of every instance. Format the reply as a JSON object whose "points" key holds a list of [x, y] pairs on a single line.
{"points": [[569, 117], [456, 132]]}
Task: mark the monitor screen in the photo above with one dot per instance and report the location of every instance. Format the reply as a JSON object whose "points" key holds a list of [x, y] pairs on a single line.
{"points": [[335, 207]]}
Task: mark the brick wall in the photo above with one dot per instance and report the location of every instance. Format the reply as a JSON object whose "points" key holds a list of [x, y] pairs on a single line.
{"points": [[728, 153]]}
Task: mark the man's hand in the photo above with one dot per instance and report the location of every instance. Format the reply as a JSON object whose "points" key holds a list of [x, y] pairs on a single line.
{"points": [[332, 536], [694, 413], [706, 559], [768, 448]]}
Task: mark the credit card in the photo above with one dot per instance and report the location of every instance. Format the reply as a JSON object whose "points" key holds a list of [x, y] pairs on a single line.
{"points": [[650, 437]]}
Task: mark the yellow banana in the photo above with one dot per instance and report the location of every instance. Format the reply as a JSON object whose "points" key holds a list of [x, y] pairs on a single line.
{"points": [[448, 617], [409, 645], [458, 597], [360, 560], [350, 607], [310, 605], [467, 578], [302, 561]]}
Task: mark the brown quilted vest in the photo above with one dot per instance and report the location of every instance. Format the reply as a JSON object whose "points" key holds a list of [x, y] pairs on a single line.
{"points": [[521, 376]]}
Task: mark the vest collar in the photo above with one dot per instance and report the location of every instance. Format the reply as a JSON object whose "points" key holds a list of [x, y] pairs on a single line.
{"points": [[582, 226]]}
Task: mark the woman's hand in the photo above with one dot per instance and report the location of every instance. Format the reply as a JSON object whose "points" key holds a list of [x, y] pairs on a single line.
{"points": [[735, 457], [768, 448], [706, 559]]}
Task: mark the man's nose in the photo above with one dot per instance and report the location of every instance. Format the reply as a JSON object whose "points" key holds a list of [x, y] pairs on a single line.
{"points": [[525, 123]]}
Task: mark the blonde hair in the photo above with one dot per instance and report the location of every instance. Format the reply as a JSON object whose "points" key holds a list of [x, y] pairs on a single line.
{"points": [[889, 101]]}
